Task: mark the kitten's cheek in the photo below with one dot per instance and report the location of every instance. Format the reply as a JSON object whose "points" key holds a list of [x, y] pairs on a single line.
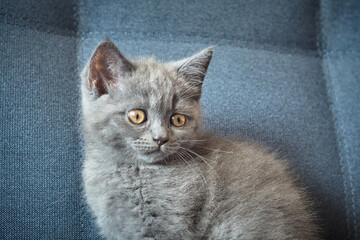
{"points": [[171, 148]]}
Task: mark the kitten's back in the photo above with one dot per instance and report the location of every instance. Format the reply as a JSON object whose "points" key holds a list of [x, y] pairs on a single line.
{"points": [[254, 195]]}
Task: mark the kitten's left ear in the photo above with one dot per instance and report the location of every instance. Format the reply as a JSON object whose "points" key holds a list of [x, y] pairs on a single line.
{"points": [[107, 67], [194, 68]]}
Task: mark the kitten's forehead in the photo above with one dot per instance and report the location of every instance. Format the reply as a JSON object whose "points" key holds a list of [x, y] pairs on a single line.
{"points": [[157, 83], [156, 87]]}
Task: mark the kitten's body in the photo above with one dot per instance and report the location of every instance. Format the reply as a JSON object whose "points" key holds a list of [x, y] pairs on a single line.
{"points": [[194, 186]]}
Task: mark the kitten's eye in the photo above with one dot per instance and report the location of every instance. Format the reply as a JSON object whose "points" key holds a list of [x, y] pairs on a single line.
{"points": [[137, 116], [178, 120]]}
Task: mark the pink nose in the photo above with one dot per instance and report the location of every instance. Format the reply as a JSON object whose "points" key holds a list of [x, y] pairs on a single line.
{"points": [[160, 141]]}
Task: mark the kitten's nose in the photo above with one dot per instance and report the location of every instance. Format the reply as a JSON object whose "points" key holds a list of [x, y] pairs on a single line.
{"points": [[160, 140]]}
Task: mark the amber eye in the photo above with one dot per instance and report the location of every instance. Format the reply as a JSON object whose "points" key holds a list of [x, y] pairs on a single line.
{"points": [[137, 116], [178, 120]]}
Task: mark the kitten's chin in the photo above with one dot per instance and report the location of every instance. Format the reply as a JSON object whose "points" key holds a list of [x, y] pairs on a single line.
{"points": [[153, 157]]}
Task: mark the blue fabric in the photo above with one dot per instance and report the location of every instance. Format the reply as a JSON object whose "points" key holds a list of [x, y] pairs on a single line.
{"points": [[341, 59], [39, 141], [284, 74]]}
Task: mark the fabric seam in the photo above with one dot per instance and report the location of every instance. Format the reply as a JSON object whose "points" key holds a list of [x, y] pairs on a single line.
{"points": [[321, 38]]}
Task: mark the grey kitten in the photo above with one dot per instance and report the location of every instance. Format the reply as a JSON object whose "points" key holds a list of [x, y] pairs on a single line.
{"points": [[151, 173]]}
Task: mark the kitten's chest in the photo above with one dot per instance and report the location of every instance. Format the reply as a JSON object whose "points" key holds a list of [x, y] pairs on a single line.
{"points": [[164, 188], [164, 196]]}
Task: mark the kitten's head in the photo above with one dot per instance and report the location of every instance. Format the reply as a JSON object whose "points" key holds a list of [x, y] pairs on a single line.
{"points": [[145, 108]]}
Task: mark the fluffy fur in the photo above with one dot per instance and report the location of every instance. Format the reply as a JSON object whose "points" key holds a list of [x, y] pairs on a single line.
{"points": [[195, 185]]}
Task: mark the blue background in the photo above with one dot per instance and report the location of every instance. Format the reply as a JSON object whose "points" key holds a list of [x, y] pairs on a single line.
{"points": [[285, 74]]}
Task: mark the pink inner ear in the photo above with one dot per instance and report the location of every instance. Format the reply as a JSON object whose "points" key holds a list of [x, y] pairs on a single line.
{"points": [[98, 71], [96, 80], [107, 66], [90, 83], [91, 80]]}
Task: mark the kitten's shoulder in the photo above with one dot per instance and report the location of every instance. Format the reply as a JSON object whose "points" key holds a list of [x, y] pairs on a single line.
{"points": [[243, 155], [235, 145]]}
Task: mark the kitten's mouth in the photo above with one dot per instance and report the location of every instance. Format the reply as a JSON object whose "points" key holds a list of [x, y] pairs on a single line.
{"points": [[154, 156], [154, 152]]}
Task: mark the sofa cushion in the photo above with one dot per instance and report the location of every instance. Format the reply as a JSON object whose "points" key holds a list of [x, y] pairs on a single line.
{"points": [[340, 38], [39, 140], [283, 74]]}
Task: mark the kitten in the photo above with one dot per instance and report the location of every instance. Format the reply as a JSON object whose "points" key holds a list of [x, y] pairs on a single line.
{"points": [[151, 173]]}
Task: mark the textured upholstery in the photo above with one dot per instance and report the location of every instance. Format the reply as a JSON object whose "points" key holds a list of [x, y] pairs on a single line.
{"points": [[284, 73]]}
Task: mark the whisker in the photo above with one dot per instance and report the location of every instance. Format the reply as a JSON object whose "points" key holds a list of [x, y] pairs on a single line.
{"points": [[196, 141], [218, 150], [191, 140], [196, 168], [229, 140], [202, 158]]}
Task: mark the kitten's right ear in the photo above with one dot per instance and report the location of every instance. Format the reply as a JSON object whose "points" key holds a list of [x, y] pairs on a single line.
{"points": [[107, 67]]}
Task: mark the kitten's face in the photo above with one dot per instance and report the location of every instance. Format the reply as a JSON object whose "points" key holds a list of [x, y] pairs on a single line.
{"points": [[156, 112], [147, 109]]}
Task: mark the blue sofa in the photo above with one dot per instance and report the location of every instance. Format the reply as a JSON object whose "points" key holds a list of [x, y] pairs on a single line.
{"points": [[284, 73]]}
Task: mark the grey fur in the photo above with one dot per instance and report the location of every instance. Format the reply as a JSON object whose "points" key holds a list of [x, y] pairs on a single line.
{"points": [[196, 186]]}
